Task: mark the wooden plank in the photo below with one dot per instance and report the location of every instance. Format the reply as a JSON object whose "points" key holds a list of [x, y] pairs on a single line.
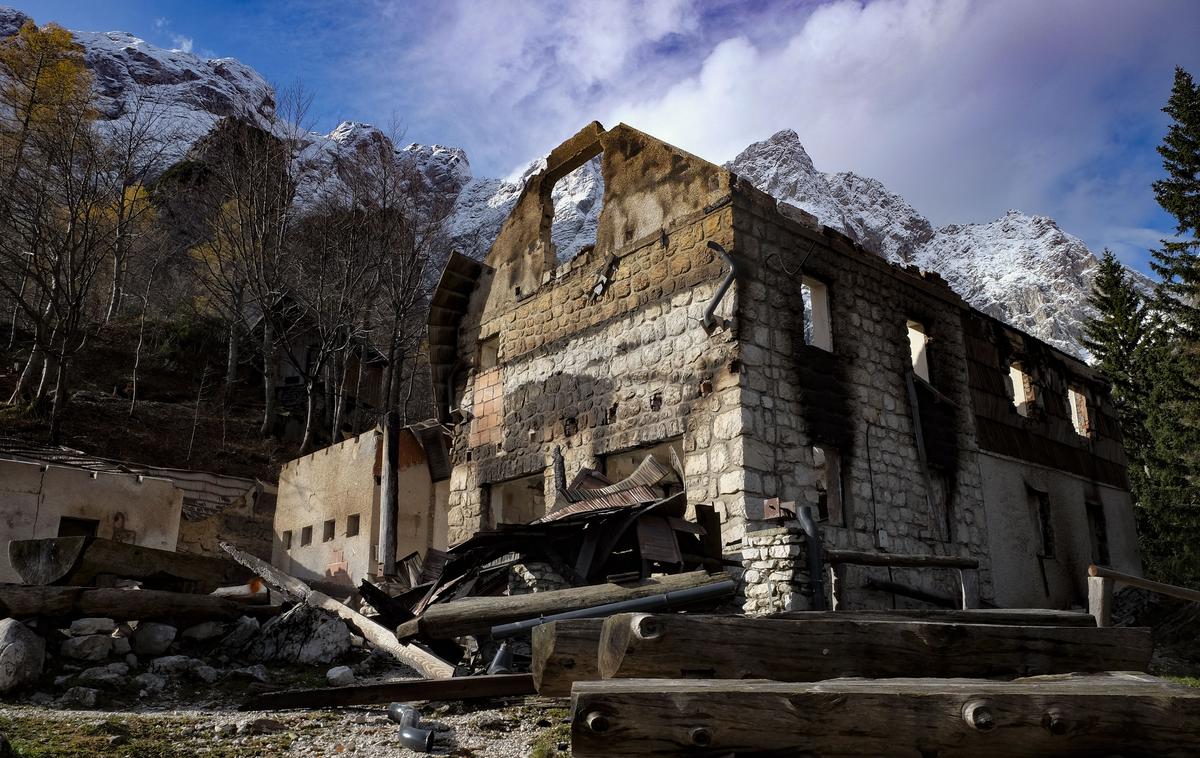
{"points": [[77, 561], [423, 661], [668, 646], [24, 601], [477, 615], [1094, 715], [406, 690], [1183, 593], [656, 540], [1003, 616], [1100, 598], [899, 560], [565, 652]]}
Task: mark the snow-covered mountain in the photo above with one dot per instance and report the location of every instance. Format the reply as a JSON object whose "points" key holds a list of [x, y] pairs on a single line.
{"points": [[1021, 268]]}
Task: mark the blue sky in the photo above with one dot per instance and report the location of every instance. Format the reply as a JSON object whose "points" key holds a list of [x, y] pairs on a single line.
{"points": [[967, 108]]}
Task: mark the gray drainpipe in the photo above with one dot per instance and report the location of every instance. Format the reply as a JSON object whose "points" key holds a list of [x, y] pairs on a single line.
{"points": [[709, 320]]}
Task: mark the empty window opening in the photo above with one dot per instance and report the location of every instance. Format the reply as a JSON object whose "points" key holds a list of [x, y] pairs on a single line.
{"points": [[352, 523], [577, 199], [1020, 389], [827, 464], [286, 538], [327, 530], [306, 536], [1098, 532], [1039, 506], [1080, 418], [518, 501], [818, 332], [77, 527], [918, 347], [489, 353]]}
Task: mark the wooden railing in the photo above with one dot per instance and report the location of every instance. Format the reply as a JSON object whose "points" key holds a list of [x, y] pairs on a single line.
{"points": [[1101, 581], [967, 570]]}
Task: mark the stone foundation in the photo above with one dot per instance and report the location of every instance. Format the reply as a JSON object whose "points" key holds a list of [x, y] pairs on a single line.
{"points": [[775, 574]]}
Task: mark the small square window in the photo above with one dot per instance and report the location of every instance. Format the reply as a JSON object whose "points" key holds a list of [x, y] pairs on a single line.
{"points": [[352, 525], [306, 536], [287, 539], [327, 531], [489, 353]]}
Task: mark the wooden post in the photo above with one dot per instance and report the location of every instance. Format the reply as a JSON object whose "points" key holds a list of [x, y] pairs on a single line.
{"points": [[968, 580], [1100, 595], [1105, 714], [669, 646], [565, 652], [24, 601], [389, 493]]}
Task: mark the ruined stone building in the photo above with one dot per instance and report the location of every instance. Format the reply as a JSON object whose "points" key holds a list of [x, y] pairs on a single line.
{"points": [[778, 359]]}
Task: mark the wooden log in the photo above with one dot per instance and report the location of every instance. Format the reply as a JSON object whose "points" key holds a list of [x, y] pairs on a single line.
{"points": [[477, 615], [423, 661], [565, 652], [1003, 616], [78, 561], [668, 646], [406, 690], [898, 560], [1183, 593], [23, 601], [1100, 597], [1107, 714]]}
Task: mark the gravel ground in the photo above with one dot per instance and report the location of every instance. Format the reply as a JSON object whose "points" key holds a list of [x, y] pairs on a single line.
{"points": [[503, 728]]}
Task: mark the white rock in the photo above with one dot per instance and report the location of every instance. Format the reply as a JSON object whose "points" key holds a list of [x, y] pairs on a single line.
{"points": [[340, 676], [151, 638], [22, 654], [81, 627], [93, 647]]}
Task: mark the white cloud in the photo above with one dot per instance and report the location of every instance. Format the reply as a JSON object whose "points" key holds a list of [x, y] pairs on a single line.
{"points": [[182, 43], [967, 108]]}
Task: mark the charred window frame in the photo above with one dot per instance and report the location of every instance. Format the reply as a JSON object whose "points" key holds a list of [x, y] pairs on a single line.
{"points": [[1098, 533], [306, 536], [818, 325], [1043, 516], [827, 465]]}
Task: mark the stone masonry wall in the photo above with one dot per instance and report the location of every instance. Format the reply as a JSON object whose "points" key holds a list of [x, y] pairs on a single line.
{"points": [[855, 397], [775, 573], [598, 375]]}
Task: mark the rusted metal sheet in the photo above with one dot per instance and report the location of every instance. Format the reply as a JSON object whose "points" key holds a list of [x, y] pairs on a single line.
{"points": [[622, 499], [656, 540]]}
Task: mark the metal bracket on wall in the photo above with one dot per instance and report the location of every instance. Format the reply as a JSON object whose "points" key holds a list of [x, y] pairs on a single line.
{"points": [[709, 321]]}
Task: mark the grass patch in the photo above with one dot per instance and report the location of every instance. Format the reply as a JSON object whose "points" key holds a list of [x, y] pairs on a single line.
{"points": [[545, 745], [1187, 681], [39, 736]]}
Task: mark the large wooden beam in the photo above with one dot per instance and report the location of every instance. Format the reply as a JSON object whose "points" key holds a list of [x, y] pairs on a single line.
{"points": [[405, 690], [477, 615], [898, 560], [565, 652], [78, 561], [23, 601], [422, 660], [1183, 593], [1003, 616], [668, 646], [960, 718]]}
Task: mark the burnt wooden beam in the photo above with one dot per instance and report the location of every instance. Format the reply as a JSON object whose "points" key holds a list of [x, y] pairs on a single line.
{"points": [[898, 560], [405, 690], [78, 561], [24, 601], [381, 637], [477, 615], [1107, 714], [565, 652], [667, 646]]}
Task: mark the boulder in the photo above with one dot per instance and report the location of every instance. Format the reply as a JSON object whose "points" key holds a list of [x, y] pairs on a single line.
{"points": [[260, 726], [83, 627], [340, 676], [174, 666], [112, 676], [302, 635], [84, 697], [148, 684], [152, 638], [257, 673], [244, 630], [22, 654], [91, 647], [204, 631], [120, 645]]}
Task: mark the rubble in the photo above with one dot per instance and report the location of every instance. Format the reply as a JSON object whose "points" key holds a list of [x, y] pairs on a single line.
{"points": [[340, 676], [91, 647], [151, 638]]}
